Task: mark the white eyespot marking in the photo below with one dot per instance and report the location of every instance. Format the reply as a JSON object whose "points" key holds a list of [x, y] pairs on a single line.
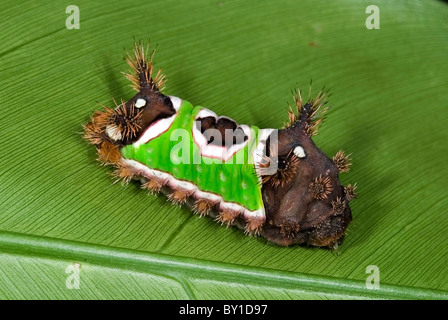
{"points": [[113, 132], [300, 152], [140, 103]]}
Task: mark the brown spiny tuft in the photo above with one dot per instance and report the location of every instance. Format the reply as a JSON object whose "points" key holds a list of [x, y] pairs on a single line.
{"points": [[142, 67], [342, 161], [202, 207], [179, 196], [127, 122], [286, 171], [227, 216], [93, 133], [124, 173], [103, 118], [338, 205], [289, 228], [321, 187], [153, 186], [94, 130], [108, 153], [350, 193], [253, 226], [310, 115]]}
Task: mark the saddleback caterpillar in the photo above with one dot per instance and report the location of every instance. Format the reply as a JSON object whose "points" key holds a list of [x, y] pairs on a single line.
{"points": [[268, 182]]}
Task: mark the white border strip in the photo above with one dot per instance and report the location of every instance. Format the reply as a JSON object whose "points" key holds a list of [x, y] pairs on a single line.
{"points": [[160, 126], [176, 102], [155, 130], [191, 187], [213, 151]]}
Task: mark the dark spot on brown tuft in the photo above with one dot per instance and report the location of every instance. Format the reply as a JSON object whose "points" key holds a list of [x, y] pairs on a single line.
{"points": [[127, 121], [289, 229], [321, 187]]}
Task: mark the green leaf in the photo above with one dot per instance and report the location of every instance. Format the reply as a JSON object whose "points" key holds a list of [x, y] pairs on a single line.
{"points": [[58, 207]]}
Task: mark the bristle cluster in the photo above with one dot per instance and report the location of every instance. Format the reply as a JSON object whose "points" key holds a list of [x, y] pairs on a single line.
{"points": [[342, 161], [339, 205], [124, 173], [289, 229], [253, 226], [120, 123], [153, 186], [350, 192], [310, 114], [227, 216], [94, 131], [142, 67], [102, 118], [179, 197], [321, 187], [202, 207], [287, 169], [126, 122], [108, 153]]}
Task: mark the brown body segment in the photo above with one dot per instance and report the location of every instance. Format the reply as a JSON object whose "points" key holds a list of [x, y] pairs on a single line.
{"points": [[311, 206]]}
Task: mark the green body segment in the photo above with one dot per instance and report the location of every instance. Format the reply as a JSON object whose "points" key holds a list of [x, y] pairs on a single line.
{"points": [[176, 153]]}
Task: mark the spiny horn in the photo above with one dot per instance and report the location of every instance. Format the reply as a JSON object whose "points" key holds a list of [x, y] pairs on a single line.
{"points": [[142, 69], [309, 115]]}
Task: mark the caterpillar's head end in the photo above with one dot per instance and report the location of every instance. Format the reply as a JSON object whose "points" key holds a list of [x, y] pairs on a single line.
{"points": [[126, 122], [304, 200]]}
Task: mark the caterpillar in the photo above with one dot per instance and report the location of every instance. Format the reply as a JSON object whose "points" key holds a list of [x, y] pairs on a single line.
{"points": [[274, 183]]}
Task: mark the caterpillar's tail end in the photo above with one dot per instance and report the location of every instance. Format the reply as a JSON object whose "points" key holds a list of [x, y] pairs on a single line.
{"points": [[305, 202]]}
